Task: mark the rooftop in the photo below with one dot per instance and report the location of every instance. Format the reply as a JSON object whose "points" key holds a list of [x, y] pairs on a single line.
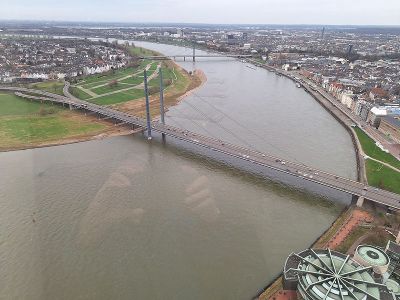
{"points": [[392, 120], [326, 274]]}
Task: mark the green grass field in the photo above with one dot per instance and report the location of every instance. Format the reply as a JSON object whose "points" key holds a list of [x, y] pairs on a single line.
{"points": [[374, 151], [382, 177], [44, 128], [25, 123], [105, 77], [79, 93], [127, 78], [107, 88], [136, 80], [118, 97], [11, 105]]}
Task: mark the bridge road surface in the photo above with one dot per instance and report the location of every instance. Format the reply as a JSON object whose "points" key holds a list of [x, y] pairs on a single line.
{"points": [[349, 186]]}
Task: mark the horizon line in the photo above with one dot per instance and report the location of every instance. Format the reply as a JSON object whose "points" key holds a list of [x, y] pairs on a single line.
{"points": [[193, 23]]}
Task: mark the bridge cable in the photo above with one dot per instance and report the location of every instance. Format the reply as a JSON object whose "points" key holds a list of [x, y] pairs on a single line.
{"points": [[221, 126], [251, 131], [173, 118], [199, 97], [192, 121], [248, 129]]}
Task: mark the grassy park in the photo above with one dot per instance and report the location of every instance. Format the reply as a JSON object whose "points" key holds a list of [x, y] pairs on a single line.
{"points": [[379, 175], [126, 84], [25, 124], [115, 86], [374, 151]]}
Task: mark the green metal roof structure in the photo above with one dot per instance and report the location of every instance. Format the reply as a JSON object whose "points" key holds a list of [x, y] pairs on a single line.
{"points": [[373, 255], [330, 275], [393, 286]]}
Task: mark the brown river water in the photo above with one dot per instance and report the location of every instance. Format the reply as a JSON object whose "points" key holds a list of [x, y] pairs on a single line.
{"points": [[124, 218]]}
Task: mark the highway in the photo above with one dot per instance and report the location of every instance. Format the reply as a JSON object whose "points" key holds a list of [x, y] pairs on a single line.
{"points": [[295, 169]]}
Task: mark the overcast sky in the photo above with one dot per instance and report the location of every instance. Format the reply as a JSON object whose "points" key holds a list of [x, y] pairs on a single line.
{"points": [[361, 12]]}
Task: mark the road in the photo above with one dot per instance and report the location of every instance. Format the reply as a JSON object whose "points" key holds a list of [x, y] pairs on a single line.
{"points": [[295, 169]]}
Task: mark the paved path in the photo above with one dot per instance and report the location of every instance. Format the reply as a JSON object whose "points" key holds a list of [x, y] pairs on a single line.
{"points": [[356, 217], [353, 247], [123, 78], [139, 86], [94, 95], [383, 163]]}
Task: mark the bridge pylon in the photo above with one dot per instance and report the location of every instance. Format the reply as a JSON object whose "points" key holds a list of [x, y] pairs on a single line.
{"points": [[162, 112], [194, 51], [146, 92]]}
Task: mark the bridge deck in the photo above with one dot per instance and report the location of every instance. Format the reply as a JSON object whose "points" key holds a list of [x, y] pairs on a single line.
{"points": [[299, 170]]}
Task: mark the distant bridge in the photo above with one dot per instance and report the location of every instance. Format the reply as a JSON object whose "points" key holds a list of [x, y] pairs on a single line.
{"points": [[164, 57], [194, 55], [301, 171]]}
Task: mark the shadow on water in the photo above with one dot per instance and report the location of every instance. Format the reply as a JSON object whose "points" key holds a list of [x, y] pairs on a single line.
{"points": [[288, 186]]}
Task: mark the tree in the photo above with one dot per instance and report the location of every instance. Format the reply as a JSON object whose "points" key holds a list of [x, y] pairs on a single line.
{"points": [[153, 90], [113, 83]]}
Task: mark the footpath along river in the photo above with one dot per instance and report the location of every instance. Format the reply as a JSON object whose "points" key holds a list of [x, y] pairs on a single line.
{"points": [[123, 218]]}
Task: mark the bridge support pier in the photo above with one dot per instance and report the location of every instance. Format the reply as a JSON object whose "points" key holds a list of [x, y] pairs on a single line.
{"points": [[70, 107], [398, 238], [360, 201], [184, 58]]}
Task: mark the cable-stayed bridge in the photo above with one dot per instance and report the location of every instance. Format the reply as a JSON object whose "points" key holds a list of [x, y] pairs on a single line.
{"points": [[252, 156]]}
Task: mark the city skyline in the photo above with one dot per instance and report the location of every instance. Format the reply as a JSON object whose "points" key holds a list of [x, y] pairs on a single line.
{"points": [[208, 12]]}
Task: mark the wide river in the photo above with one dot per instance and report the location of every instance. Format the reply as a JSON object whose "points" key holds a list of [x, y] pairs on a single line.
{"points": [[124, 218]]}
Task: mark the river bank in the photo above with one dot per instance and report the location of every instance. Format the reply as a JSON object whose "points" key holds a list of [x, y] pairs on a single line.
{"points": [[184, 84]]}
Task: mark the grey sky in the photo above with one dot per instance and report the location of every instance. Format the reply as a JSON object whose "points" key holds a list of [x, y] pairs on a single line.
{"points": [[363, 12]]}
